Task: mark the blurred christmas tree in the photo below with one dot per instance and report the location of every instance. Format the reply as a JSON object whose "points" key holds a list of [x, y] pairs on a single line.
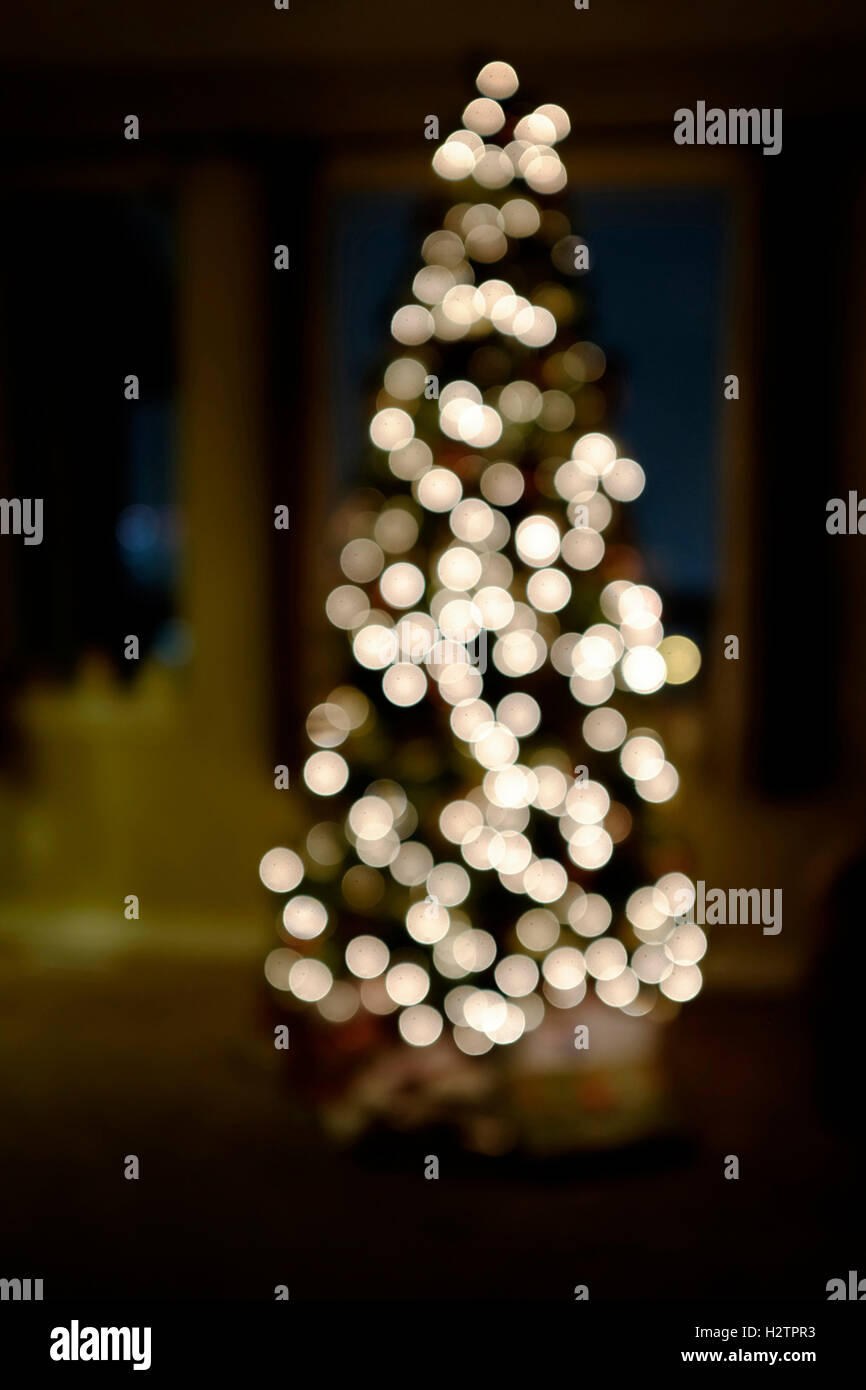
{"points": [[481, 789]]}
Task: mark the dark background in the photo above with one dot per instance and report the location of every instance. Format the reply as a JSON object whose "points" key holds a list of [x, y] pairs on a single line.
{"points": [[153, 1037]]}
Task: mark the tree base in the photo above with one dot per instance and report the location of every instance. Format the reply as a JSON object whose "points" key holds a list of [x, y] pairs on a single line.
{"points": [[538, 1099]]}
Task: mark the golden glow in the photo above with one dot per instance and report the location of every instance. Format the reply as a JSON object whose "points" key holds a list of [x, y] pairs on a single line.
{"points": [[596, 651], [683, 983], [458, 818], [564, 998], [474, 950], [341, 1003], [596, 452], [532, 1008], [582, 548], [428, 922], [459, 568], [325, 844], [304, 917], [534, 327], [604, 729], [484, 116], [651, 965], [661, 787], [443, 248], [537, 930], [471, 1042], [391, 428], [584, 362], [281, 870], [558, 119], [404, 684], [643, 670], [511, 1028], [520, 401], [404, 379], [545, 880], [278, 963], [327, 725], [686, 945], [537, 540], [407, 983], [575, 482], [439, 490], [497, 80], [432, 283], [483, 849], [549, 590], [642, 757], [420, 1025], [375, 997], [310, 980], [516, 975], [485, 1010], [506, 311], [402, 584], [472, 520], [587, 803], [428, 602], [564, 968], [493, 169], [552, 787], [590, 847], [367, 957], [624, 480], [455, 159], [590, 915], [520, 713], [362, 887], [518, 850], [375, 646], [494, 746], [371, 817], [495, 607], [326, 773], [396, 530], [682, 659], [347, 606], [412, 461], [543, 169], [535, 128], [412, 324], [412, 864], [485, 244], [361, 560], [520, 217], [605, 958], [648, 909], [448, 884], [463, 305], [595, 691], [620, 991]]}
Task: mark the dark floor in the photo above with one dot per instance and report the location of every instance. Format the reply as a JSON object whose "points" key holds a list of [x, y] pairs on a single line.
{"points": [[239, 1191]]}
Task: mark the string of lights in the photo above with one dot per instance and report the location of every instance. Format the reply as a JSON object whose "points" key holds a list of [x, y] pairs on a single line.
{"points": [[501, 645]]}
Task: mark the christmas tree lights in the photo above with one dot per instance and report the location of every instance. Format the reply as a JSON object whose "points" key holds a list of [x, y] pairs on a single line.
{"points": [[480, 790]]}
